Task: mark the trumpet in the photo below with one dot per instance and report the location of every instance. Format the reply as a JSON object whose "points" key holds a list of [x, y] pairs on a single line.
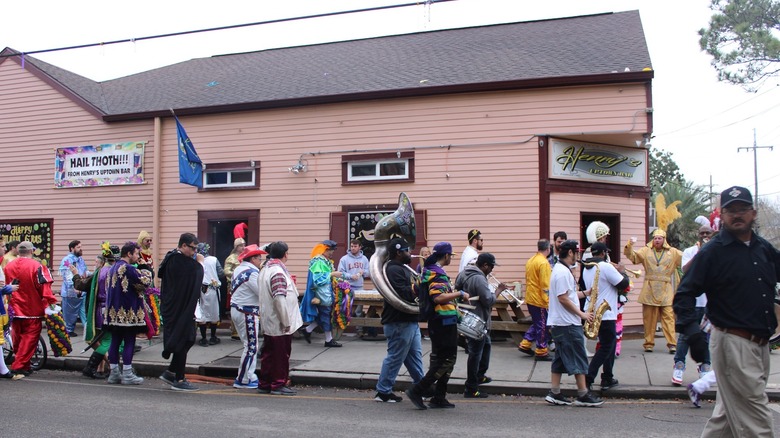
{"points": [[635, 272], [516, 287]]}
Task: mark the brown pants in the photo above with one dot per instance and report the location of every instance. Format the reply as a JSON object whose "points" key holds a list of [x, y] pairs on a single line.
{"points": [[650, 317]]}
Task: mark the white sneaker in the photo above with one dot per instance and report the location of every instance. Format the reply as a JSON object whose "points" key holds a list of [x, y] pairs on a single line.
{"points": [[677, 374], [703, 370]]}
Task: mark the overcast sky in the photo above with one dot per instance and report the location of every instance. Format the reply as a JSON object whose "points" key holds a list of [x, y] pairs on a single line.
{"points": [[701, 121]]}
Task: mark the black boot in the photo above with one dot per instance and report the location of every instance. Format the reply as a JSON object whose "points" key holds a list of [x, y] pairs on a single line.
{"points": [[91, 369]]}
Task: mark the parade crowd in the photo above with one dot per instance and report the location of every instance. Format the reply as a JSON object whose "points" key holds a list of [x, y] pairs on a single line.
{"points": [[715, 300]]}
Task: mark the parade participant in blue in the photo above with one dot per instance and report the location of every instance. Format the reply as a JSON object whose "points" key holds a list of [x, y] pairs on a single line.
{"points": [[317, 302], [181, 277], [73, 307], [473, 279], [245, 313], [401, 329], [442, 328], [739, 271], [125, 312]]}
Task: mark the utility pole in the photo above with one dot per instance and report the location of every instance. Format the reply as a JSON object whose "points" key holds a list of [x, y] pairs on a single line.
{"points": [[755, 166]]}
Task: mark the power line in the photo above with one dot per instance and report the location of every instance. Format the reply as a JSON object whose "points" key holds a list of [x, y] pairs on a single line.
{"points": [[234, 26]]}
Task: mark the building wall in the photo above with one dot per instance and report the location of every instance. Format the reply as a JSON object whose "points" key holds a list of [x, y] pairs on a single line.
{"points": [[476, 164], [565, 211]]}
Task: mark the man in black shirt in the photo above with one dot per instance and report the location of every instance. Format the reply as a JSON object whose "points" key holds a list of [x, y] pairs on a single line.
{"points": [[401, 329], [738, 270]]}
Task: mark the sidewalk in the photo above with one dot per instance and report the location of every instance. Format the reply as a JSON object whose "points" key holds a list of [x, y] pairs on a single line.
{"points": [[358, 362]]}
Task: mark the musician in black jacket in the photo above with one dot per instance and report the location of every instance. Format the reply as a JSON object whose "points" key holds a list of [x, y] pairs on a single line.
{"points": [[739, 271], [401, 329]]}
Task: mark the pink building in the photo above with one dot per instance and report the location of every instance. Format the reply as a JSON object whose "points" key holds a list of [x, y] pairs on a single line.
{"points": [[519, 130]]}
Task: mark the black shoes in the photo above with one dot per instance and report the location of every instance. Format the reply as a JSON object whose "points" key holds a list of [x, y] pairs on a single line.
{"points": [[557, 399], [440, 403], [543, 358], [607, 384], [307, 336], [168, 377], [214, 340], [332, 343], [203, 342], [387, 398], [588, 400], [284, 391], [474, 394], [416, 399], [484, 380]]}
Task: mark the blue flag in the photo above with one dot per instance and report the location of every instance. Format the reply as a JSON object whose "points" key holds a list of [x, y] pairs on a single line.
{"points": [[190, 166]]}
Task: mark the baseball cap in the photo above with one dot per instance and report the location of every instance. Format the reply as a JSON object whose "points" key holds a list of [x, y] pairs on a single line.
{"points": [[735, 194], [599, 247], [397, 245], [570, 245], [488, 258], [25, 246], [442, 248]]}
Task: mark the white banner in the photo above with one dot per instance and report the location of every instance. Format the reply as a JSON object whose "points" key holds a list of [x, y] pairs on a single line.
{"points": [[106, 164]]}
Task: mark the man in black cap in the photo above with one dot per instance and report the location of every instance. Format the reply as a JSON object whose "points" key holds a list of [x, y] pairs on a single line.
{"points": [[738, 270], [473, 280], [611, 279]]}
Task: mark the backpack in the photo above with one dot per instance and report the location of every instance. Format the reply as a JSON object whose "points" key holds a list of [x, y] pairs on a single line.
{"points": [[425, 302]]}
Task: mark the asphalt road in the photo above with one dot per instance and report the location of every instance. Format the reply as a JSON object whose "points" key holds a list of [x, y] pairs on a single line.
{"points": [[64, 404]]}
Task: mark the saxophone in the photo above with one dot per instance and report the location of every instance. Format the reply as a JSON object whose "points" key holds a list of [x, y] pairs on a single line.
{"points": [[592, 328]]}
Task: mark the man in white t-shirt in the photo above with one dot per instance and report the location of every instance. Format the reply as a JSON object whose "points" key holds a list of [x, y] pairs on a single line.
{"points": [[564, 321], [611, 279], [471, 252], [705, 233]]}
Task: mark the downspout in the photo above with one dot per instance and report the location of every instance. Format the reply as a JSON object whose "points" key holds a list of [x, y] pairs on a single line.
{"points": [[156, 190]]}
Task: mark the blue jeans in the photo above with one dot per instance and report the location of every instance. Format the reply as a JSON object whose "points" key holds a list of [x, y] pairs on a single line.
{"points": [[72, 308], [682, 342], [478, 362], [403, 347]]}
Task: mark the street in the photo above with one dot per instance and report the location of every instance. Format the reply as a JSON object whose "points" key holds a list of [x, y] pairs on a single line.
{"points": [[64, 404]]}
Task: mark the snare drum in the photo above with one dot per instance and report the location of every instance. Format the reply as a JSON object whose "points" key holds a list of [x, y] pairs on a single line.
{"points": [[472, 326]]}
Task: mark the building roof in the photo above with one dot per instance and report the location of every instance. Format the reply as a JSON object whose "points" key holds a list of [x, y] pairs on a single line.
{"points": [[588, 49]]}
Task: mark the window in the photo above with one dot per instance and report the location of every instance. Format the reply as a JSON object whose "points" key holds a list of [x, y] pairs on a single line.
{"points": [[388, 167], [244, 175]]}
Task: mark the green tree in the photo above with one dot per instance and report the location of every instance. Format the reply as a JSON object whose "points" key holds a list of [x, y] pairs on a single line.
{"points": [[684, 232], [742, 39], [663, 170]]}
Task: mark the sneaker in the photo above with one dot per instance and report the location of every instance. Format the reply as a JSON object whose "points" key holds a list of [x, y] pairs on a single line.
{"points": [[264, 390], [677, 373], [184, 385], [703, 369], [474, 394], [115, 376], [588, 400], [307, 336], [416, 399], [251, 385], [557, 399], [332, 343], [672, 350], [387, 398], [608, 384], [168, 377], [284, 391], [694, 396], [440, 403], [485, 380], [648, 349], [214, 340], [203, 342], [8, 375], [527, 351], [130, 378]]}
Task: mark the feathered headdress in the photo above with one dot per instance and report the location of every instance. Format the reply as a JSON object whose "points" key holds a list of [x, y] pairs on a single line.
{"points": [[666, 214]]}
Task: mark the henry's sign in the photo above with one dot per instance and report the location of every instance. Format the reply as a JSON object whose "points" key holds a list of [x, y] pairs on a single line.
{"points": [[103, 165], [580, 161]]}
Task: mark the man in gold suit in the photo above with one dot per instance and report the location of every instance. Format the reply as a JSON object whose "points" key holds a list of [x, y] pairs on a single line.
{"points": [[661, 263]]}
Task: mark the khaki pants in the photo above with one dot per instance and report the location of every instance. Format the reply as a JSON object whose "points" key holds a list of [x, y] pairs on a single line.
{"points": [[650, 317], [741, 406]]}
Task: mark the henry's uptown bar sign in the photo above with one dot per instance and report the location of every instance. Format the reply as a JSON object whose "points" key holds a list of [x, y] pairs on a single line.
{"points": [[580, 161]]}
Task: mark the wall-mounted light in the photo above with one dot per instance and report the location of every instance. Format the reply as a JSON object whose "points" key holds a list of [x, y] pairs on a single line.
{"points": [[299, 167]]}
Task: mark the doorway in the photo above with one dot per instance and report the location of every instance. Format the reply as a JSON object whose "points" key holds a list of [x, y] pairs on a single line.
{"points": [[215, 227]]}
